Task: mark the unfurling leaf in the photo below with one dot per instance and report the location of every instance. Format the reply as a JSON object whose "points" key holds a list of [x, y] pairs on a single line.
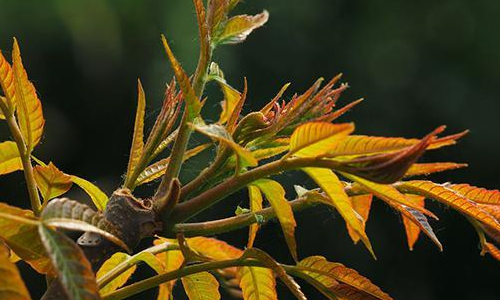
{"points": [[362, 205], [331, 275], [120, 280], [73, 269], [317, 138], [98, 197], [10, 160], [12, 286], [477, 194], [201, 286], [216, 14], [330, 183], [412, 230], [255, 197], [429, 168], [29, 111], [257, 283], [22, 237], [51, 181], [239, 27], [275, 195], [138, 136]]}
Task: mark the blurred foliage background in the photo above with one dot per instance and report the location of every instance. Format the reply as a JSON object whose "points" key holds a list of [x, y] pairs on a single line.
{"points": [[419, 64]]}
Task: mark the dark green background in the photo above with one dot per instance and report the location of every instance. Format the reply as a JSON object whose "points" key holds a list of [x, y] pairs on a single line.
{"points": [[419, 64]]}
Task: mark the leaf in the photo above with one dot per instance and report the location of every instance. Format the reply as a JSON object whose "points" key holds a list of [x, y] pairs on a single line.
{"points": [[7, 84], [429, 168], [271, 148], [257, 283], [328, 274], [330, 183], [12, 286], [213, 248], [317, 138], [231, 99], [219, 133], [119, 281], [73, 269], [449, 197], [172, 260], [275, 195], [193, 104], [239, 27], [157, 169], [10, 160], [362, 205], [72, 215], [411, 229], [255, 197], [98, 197], [477, 194], [29, 112], [201, 286], [492, 250], [22, 237], [138, 136], [216, 15], [51, 182]]}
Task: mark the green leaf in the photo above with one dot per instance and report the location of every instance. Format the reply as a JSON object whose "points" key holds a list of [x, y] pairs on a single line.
{"points": [[120, 280], [73, 269], [138, 136], [10, 160], [201, 286], [317, 138], [275, 195], [98, 197], [255, 197], [239, 27], [12, 286], [51, 182]]}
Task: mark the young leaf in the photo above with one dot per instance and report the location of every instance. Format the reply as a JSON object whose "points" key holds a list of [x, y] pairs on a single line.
{"points": [[29, 112], [328, 274], [172, 260], [73, 269], [220, 133], [317, 138], [111, 263], [275, 195], [429, 168], [98, 197], [51, 181], [12, 286], [257, 283], [216, 14], [138, 136], [330, 183], [22, 237], [201, 286], [10, 160], [411, 229], [239, 27], [362, 205], [477, 194], [7, 82], [255, 197], [231, 99]]}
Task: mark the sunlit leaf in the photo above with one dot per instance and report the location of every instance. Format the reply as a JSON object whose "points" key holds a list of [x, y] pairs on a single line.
{"points": [[7, 83], [172, 260], [22, 237], [330, 183], [216, 14], [361, 205], [213, 248], [138, 136], [29, 111], [255, 197], [201, 286], [429, 168], [257, 283], [219, 133], [449, 197], [12, 286], [120, 280], [98, 197], [239, 27], [231, 99], [330, 274], [73, 269], [157, 169], [411, 229], [10, 160], [51, 181], [477, 194], [316, 138], [272, 148], [275, 195]]}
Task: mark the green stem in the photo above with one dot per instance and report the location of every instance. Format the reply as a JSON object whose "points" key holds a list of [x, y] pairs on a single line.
{"points": [[187, 270], [25, 155]]}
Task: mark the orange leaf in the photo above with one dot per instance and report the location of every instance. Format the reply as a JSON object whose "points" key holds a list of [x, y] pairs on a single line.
{"points": [[412, 230], [477, 194], [51, 181], [492, 250], [361, 205], [7, 84], [429, 168], [12, 286], [10, 160]]}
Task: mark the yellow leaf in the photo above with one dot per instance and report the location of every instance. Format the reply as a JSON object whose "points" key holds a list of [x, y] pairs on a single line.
{"points": [[429, 168], [51, 181], [330, 183], [7, 84], [361, 205], [317, 138], [255, 197], [29, 112], [213, 248], [239, 27], [275, 195], [12, 286], [412, 230], [120, 280], [10, 160], [477, 194], [274, 148], [172, 260], [231, 99], [257, 283], [201, 286], [98, 197], [138, 136]]}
